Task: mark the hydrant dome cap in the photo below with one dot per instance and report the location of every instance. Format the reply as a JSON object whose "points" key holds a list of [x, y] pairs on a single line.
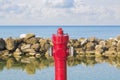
{"points": [[60, 31]]}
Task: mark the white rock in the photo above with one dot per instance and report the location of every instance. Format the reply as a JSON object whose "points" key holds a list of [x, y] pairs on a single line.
{"points": [[116, 39], [103, 43], [84, 41], [110, 38], [22, 35]]}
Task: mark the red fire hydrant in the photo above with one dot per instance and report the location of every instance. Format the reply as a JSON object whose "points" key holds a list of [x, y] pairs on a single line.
{"points": [[60, 53]]}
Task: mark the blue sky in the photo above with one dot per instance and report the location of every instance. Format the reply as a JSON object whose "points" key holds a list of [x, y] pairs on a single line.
{"points": [[59, 12]]}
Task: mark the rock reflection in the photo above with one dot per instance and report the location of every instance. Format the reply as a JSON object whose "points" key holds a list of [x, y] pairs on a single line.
{"points": [[30, 64], [9, 63]]}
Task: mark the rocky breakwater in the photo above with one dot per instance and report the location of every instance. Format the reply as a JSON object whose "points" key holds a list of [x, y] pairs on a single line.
{"points": [[30, 45], [26, 45], [96, 47]]}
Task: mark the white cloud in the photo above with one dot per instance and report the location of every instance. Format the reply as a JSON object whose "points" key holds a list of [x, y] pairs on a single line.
{"points": [[59, 12]]}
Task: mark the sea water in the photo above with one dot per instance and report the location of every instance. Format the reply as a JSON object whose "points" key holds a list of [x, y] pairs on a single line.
{"points": [[76, 32]]}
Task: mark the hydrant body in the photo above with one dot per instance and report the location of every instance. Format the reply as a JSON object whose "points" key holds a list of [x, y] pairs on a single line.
{"points": [[60, 53]]}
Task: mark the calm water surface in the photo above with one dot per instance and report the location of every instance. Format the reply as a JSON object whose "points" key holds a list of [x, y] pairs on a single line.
{"points": [[79, 68], [86, 69]]}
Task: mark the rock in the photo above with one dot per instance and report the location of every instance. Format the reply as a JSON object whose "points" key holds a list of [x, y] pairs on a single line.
{"points": [[71, 42], [99, 59], [97, 54], [49, 41], [10, 44], [112, 48], [36, 47], [81, 39], [32, 52], [110, 53], [79, 51], [42, 42], [99, 49], [30, 35], [90, 54], [118, 37], [114, 43], [9, 63], [118, 46], [45, 47], [25, 47], [47, 55], [118, 54], [31, 41], [76, 44], [84, 42], [92, 39], [18, 58], [18, 40], [5, 53], [17, 52], [2, 44], [90, 46], [37, 55], [102, 43], [25, 60], [108, 43]]}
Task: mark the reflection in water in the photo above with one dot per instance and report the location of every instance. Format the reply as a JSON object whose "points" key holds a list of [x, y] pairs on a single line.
{"points": [[9, 63], [31, 64]]}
